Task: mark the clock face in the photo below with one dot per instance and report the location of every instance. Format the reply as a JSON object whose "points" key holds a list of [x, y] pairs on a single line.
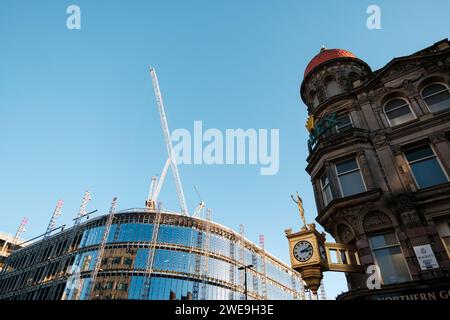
{"points": [[323, 253], [303, 251]]}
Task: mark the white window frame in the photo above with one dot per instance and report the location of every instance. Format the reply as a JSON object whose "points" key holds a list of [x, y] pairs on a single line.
{"points": [[322, 188], [424, 98], [426, 158], [347, 172], [385, 247], [407, 103], [351, 122]]}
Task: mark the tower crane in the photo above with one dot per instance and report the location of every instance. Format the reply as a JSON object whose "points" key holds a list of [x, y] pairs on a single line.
{"points": [[165, 128], [200, 206], [155, 187]]}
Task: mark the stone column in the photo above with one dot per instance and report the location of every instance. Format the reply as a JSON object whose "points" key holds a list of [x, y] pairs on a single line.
{"points": [[442, 149], [366, 170], [406, 176]]}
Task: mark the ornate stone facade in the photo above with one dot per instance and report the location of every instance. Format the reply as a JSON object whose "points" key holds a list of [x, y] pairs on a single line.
{"points": [[365, 185]]}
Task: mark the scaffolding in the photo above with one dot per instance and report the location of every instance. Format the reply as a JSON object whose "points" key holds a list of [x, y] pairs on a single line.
{"points": [[98, 261], [323, 295], [55, 215], [242, 258], [17, 236], [263, 267], [82, 212], [206, 246], [151, 254]]}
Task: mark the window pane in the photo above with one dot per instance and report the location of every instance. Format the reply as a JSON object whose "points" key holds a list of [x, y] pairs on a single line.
{"points": [[428, 173], [392, 265], [439, 101], [324, 180], [344, 121], [346, 166], [383, 240], [393, 104], [419, 153], [351, 183], [327, 196], [400, 115], [433, 89]]}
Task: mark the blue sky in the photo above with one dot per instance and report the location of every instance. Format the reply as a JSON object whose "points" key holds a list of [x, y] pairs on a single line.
{"points": [[77, 108]]}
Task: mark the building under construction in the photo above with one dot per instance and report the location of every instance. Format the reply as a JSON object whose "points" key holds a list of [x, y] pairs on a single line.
{"points": [[146, 254]]}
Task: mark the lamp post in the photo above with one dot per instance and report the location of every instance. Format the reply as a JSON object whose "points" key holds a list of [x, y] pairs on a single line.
{"points": [[245, 279]]}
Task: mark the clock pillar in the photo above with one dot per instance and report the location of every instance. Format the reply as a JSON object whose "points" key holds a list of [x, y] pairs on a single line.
{"points": [[308, 255]]}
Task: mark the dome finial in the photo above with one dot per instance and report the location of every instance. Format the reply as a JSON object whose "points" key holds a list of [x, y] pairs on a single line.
{"points": [[322, 48]]}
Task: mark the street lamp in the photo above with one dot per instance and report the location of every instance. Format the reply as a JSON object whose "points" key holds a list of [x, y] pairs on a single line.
{"points": [[245, 279]]}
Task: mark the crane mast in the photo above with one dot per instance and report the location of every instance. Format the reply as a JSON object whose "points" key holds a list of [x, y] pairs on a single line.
{"points": [[165, 128], [161, 181], [18, 234], [55, 215], [82, 212]]}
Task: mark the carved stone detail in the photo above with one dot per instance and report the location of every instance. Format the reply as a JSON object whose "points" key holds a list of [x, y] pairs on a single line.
{"points": [[438, 137], [379, 141], [404, 203], [344, 233], [376, 220]]}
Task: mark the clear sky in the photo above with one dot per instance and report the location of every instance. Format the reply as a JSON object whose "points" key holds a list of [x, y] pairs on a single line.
{"points": [[77, 109]]}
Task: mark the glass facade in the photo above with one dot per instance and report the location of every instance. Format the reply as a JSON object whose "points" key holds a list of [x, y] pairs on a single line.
{"points": [[188, 263]]}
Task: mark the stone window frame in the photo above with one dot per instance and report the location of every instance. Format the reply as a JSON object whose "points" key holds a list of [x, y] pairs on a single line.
{"points": [[399, 97]]}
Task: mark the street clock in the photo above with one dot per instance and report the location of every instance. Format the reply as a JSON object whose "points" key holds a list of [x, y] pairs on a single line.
{"points": [[310, 253], [303, 251]]}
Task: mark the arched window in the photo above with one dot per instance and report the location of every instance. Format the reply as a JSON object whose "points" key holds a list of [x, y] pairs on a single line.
{"points": [[352, 78], [436, 96], [332, 87], [314, 99], [398, 111]]}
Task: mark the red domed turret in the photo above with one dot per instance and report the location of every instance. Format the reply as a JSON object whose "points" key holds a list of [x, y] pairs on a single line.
{"points": [[326, 55]]}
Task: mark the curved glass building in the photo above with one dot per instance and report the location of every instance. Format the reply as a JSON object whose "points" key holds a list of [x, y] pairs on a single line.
{"points": [[147, 255]]}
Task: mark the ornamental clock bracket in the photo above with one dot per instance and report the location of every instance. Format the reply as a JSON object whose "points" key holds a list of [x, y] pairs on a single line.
{"points": [[311, 255]]}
